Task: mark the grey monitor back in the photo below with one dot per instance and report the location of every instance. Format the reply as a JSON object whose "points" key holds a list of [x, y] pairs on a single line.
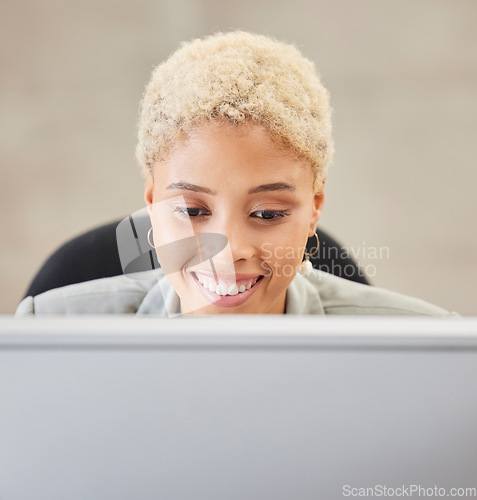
{"points": [[235, 408]]}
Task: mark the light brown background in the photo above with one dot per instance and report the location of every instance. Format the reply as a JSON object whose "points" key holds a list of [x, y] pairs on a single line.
{"points": [[403, 80]]}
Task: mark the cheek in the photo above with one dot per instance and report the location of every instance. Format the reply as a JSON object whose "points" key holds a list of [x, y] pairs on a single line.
{"points": [[282, 254], [175, 248]]}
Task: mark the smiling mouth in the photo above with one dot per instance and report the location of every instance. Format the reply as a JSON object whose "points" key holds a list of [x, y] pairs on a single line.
{"points": [[223, 288]]}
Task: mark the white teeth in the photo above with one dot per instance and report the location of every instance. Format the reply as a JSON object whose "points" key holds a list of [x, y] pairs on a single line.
{"points": [[222, 289]]}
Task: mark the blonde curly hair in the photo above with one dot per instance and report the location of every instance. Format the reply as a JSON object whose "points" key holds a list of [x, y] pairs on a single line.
{"points": [[241, 78]]}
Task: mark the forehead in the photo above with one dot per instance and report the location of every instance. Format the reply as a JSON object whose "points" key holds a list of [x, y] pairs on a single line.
{"points": [[221, 151]]}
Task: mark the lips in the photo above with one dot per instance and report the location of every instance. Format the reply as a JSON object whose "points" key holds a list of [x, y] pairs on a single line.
{"points": [[249, 283]]}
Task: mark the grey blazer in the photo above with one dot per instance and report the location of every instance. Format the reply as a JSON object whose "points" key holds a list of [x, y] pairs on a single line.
{"points": [[320, 293]]}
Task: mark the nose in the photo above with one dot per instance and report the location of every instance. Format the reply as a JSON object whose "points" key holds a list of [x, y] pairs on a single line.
{"points": [[240, 241]]}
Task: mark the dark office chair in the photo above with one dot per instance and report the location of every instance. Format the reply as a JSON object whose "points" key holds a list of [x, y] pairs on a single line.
{"points": [[94, 254]]}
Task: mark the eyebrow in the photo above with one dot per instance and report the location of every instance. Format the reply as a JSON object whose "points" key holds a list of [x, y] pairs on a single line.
{"points": [[276, 186], [190, 187]]}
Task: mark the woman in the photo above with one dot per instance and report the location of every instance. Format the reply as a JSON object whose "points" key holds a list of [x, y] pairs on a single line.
{"points": [[234, 143]]}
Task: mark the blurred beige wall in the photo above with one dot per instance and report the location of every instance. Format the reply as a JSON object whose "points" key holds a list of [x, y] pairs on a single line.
{"points": [[403, 80]]}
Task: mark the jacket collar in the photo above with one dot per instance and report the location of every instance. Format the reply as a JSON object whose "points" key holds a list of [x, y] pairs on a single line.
{"points": [[303, 297]]}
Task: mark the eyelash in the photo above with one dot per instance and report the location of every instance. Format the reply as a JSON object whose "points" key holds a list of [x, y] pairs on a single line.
{"points": [[276, 214]]}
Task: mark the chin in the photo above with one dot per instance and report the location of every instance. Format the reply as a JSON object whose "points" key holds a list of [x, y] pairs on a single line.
{"points": [[213, 309]]}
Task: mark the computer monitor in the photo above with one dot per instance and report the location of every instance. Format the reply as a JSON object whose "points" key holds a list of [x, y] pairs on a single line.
{"points": [[229, 408]]}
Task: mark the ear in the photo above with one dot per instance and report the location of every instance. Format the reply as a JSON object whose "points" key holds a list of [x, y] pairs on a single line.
{"points": [[318, 202], [149, 192]]}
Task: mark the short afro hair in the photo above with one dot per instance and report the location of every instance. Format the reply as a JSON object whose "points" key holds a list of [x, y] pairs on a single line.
{"points": [[241, 78]]}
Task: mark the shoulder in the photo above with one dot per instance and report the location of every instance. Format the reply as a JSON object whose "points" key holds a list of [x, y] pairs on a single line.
{"points": [[118, 294], [341, 296]]}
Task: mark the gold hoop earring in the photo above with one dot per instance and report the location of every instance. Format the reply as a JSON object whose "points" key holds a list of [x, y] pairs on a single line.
{"points": [[308, 255], [306, 266], [149, 238]]}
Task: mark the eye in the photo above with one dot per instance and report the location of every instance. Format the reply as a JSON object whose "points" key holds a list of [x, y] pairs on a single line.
{"points": [[191, 212], [269, 215]]}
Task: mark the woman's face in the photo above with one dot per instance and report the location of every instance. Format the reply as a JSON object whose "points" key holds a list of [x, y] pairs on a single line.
{"points": [[256, 203]]}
